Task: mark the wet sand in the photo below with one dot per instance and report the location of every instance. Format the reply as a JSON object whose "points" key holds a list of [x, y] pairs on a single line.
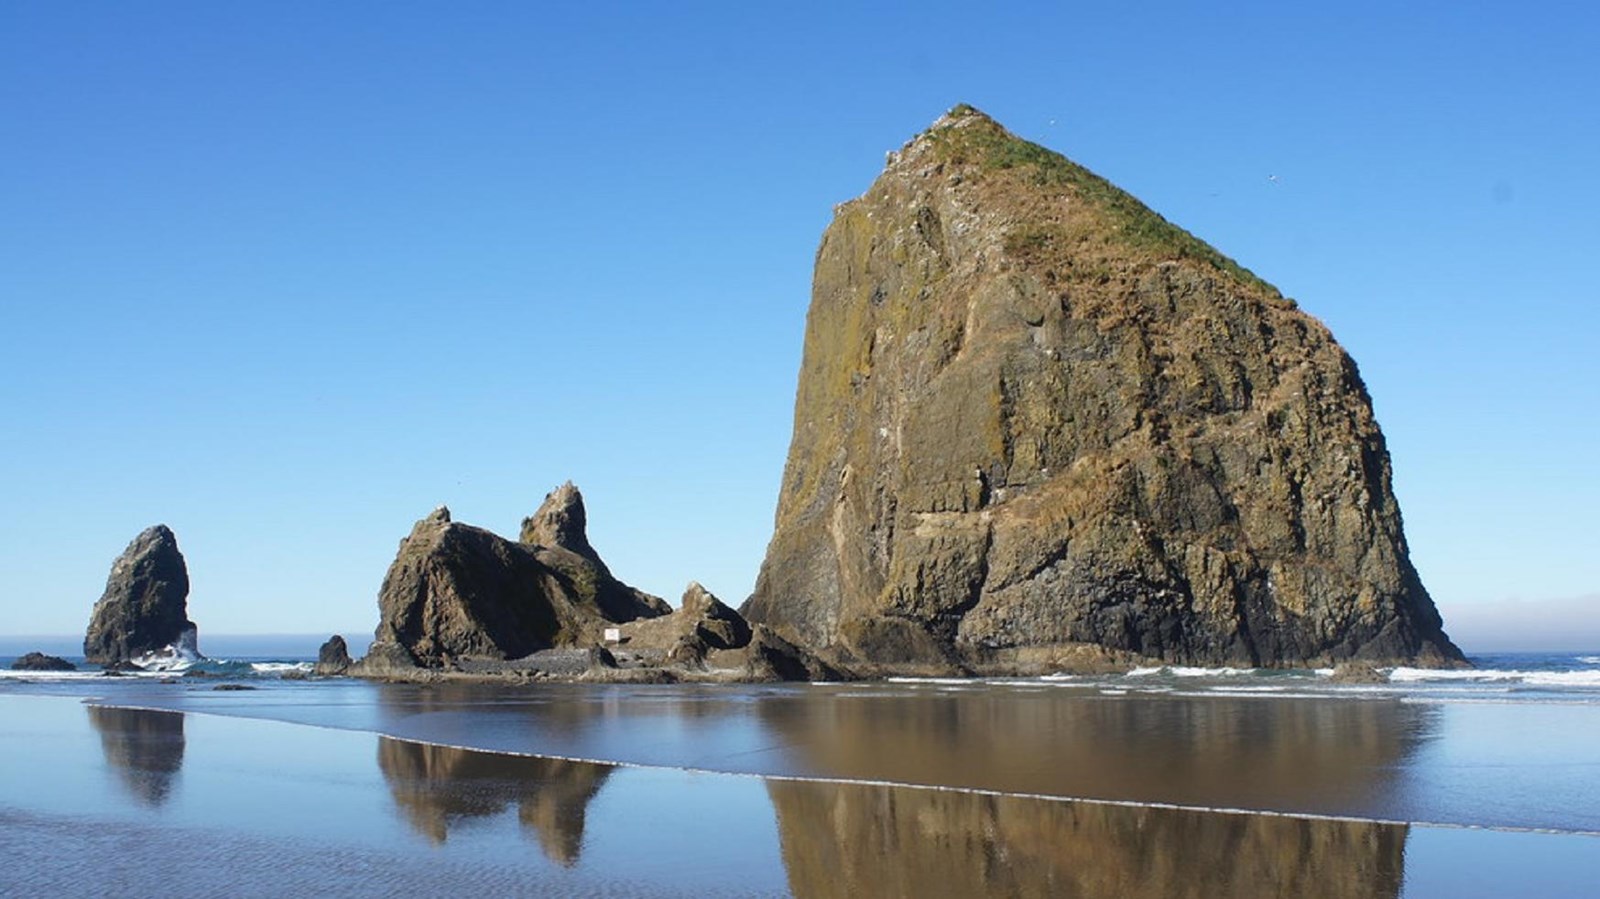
{"points": [[1471, 763], [104, 801]]}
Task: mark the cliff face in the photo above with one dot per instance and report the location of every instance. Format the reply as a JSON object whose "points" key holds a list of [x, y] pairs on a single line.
{"points": [[455, 591], [1034, 416], [145, 606]]}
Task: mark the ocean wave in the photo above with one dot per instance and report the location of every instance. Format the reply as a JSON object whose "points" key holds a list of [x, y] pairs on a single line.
{"points": [[1189, 671], [280, 667], [1495, 675], [175, 657]]}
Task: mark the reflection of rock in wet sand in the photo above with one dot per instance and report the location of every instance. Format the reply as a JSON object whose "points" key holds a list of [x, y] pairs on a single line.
{"points": [[854, 840], [145, 748], [438, 786], [1318, 755]]}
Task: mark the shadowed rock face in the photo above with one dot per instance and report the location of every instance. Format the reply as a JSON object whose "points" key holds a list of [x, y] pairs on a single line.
{"points": [[144, 748], [439, 786], [1033, 416], [145, 604], [333, 657], [456, 591], [857, 840]]}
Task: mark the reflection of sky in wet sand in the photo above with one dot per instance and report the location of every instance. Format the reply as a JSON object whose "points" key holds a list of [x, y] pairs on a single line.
{"points": [[143, 748]]}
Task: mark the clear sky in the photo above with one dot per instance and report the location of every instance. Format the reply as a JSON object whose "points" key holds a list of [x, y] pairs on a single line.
{"points": [[287, 275]]}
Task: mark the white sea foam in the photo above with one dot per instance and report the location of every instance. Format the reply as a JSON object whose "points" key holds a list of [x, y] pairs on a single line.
{"points": [[280, 667], [1189, 671], [1589, 660], [179, 656], [1496, 675]]}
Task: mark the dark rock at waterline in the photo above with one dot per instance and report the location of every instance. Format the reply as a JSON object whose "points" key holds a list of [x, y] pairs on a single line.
{"points": [[38, 661], [333, 657], [145, 604], [384, 658], [1033, 415], [457, 592]]}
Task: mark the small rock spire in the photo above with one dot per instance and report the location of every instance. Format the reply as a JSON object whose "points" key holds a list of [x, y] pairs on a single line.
{"points": [[561, 521]]}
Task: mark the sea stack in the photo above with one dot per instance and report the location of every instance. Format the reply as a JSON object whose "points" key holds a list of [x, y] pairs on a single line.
{"points": [[457, 592], [145, 605], [1035, 419]]}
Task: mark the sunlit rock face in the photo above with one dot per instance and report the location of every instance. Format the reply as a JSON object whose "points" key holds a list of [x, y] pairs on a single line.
{"points": [[1034, 417]]}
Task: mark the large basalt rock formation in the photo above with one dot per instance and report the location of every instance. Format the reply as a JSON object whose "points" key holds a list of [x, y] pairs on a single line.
{"points": [[459, 592], [1033, 416], [145, 605]]}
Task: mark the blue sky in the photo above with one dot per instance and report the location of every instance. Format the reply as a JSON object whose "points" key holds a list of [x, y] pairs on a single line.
{"points": [[286, 276]]}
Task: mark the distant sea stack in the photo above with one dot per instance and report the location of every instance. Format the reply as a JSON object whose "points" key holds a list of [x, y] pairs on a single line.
{"points": [[145, 605], [457, 592], [1037, 423]]}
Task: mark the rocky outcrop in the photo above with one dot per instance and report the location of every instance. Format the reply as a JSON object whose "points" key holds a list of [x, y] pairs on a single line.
{"points": [[38, 661], [1033, 415], [705, 635], [700, 624], [333, 657], [145, 605], [458, 592]]}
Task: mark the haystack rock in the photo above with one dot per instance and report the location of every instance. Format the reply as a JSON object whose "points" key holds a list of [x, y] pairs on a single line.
{"points": [[145, 605], [457, 592], [1035, 419]]}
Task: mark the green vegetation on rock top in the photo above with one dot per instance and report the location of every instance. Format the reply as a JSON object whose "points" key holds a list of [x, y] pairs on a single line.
{"points": [[989, 146]]}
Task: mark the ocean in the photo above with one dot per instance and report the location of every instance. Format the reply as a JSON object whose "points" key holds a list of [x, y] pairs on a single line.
{"points": [[1163, 781]]}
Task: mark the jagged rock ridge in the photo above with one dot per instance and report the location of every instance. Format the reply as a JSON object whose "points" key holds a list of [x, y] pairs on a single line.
{"points": [[460, 592], [1033, 417], [144, 608]]}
